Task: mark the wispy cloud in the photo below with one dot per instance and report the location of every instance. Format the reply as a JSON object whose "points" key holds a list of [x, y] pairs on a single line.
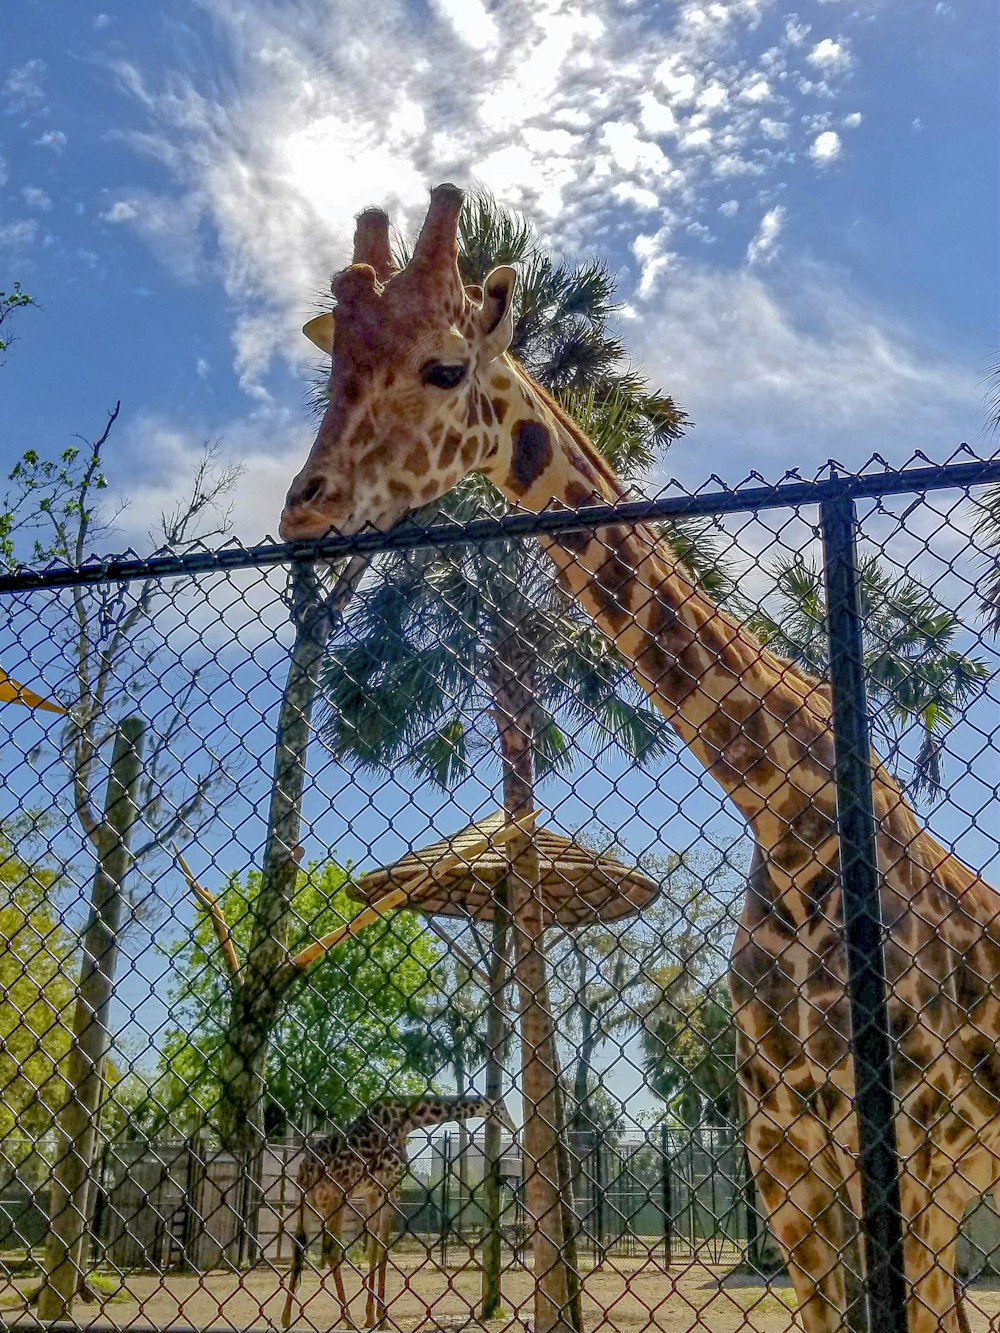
{"points": [[588, 123], [122, 210], [761, 249], [22, 87], [36, 198], [54, 140], [785, 364], [622, 137]]}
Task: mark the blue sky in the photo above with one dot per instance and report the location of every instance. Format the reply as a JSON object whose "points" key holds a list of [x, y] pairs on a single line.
{"points": [[800, 204]]}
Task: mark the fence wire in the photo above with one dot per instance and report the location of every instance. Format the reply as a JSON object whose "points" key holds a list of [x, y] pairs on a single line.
{"points": [[392, 931]]}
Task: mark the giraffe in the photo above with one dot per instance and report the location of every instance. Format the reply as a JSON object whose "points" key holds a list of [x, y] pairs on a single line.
{"points": [[359, 1169], [423, 392]]}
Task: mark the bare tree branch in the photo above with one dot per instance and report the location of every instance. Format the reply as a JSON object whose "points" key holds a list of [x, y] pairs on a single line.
{"points": [[217, 917]]}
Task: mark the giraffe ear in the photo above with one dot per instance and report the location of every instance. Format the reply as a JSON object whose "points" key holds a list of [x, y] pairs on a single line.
{"points": [[320, 332], [498, 309]]}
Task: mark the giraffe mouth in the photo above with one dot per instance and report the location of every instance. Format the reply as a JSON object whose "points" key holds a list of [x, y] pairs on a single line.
{"points": [[299, 523]]}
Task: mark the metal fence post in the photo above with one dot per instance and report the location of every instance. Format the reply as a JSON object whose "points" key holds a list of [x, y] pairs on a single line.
{"points": [[885, 1289], [667, 1201]]}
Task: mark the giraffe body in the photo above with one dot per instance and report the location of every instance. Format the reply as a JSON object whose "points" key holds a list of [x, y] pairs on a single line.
{"points": [[358, 1171], [423, 392]]}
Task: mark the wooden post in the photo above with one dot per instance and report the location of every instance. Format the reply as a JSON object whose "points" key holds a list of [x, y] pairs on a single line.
{"points": [[496, 1047], [77, 1121], [539, 1074]]}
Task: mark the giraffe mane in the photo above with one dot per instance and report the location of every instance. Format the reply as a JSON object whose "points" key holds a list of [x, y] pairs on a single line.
{"points": [[791, 670]]}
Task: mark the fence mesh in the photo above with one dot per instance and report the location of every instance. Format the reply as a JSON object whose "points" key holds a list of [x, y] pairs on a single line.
{"points": [[368, 903]]}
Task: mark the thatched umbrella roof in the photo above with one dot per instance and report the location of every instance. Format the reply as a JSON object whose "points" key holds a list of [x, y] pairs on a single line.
{"points": [[579, 886]]}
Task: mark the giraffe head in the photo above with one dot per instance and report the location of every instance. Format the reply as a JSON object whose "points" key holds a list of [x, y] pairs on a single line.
{"points": [[408, 414]]}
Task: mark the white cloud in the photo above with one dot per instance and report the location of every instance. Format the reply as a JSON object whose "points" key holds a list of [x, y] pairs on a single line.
{"points": [[556, 107], [634, 194], [270, 443], [36, 198], [17, 235], [730, 208], [22, 88], [202, 369], [54, 140], [101, 20], [654, 256], [120, 211], [830, 57], [784, 364], [656, 117], [853, 120], [471, 21], [825, 147], [761, 248], [253, 339]]}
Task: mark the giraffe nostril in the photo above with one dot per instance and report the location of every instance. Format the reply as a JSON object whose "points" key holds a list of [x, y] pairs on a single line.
{"points": [[309, 491]]}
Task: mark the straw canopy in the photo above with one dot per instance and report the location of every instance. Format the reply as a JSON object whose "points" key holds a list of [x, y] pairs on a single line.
{"points": [[579, 886]]}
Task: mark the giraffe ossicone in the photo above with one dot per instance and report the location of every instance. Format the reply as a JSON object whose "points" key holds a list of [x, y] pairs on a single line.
{"points": [[423, 392]]}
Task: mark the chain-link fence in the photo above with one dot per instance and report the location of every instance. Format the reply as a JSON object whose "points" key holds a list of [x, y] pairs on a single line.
{"points": [[376, 928]]}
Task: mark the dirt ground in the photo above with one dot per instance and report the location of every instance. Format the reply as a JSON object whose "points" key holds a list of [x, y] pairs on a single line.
{"points": [[623, 1297]]}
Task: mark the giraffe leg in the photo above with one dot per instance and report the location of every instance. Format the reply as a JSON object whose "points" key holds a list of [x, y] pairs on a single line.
{"points": [[333, 1258], [798, 1180], [378, 1258], [299, 1242], [933, 1214]]}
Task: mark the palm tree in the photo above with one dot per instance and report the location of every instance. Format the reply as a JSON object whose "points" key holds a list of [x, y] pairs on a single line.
{"points": [[458, 652], [917, 678]]}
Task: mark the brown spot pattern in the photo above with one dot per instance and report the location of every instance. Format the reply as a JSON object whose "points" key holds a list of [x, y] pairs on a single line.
{"points": [[532, 454], [416, 460], [449, 449], [614, 578]]}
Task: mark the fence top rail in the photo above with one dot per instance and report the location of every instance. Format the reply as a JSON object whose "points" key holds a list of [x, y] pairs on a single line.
{"points": [[790, 492]]}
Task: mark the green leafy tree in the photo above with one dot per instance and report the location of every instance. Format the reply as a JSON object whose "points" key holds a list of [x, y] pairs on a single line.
{"points": [[342, 1038], [918, 679], [689, 1040], [613, 982], [36, 955], [10, 303]]}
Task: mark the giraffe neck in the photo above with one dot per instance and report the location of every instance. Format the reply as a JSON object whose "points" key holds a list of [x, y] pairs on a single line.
{"points": [[758, 725], [439, 1110]]}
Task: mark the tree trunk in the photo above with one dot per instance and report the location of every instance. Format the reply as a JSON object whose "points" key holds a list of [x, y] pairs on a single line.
{"points": [[257, 1002], [497, 1042], [77, 1122], [461, 1082], [545, 1167]]}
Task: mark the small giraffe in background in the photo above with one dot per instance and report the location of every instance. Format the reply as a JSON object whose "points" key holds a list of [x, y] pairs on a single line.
{"points": [[359, 1169]]}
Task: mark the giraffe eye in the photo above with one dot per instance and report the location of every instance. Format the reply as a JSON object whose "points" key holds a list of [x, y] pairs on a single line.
{"points": [[442, 376]]}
